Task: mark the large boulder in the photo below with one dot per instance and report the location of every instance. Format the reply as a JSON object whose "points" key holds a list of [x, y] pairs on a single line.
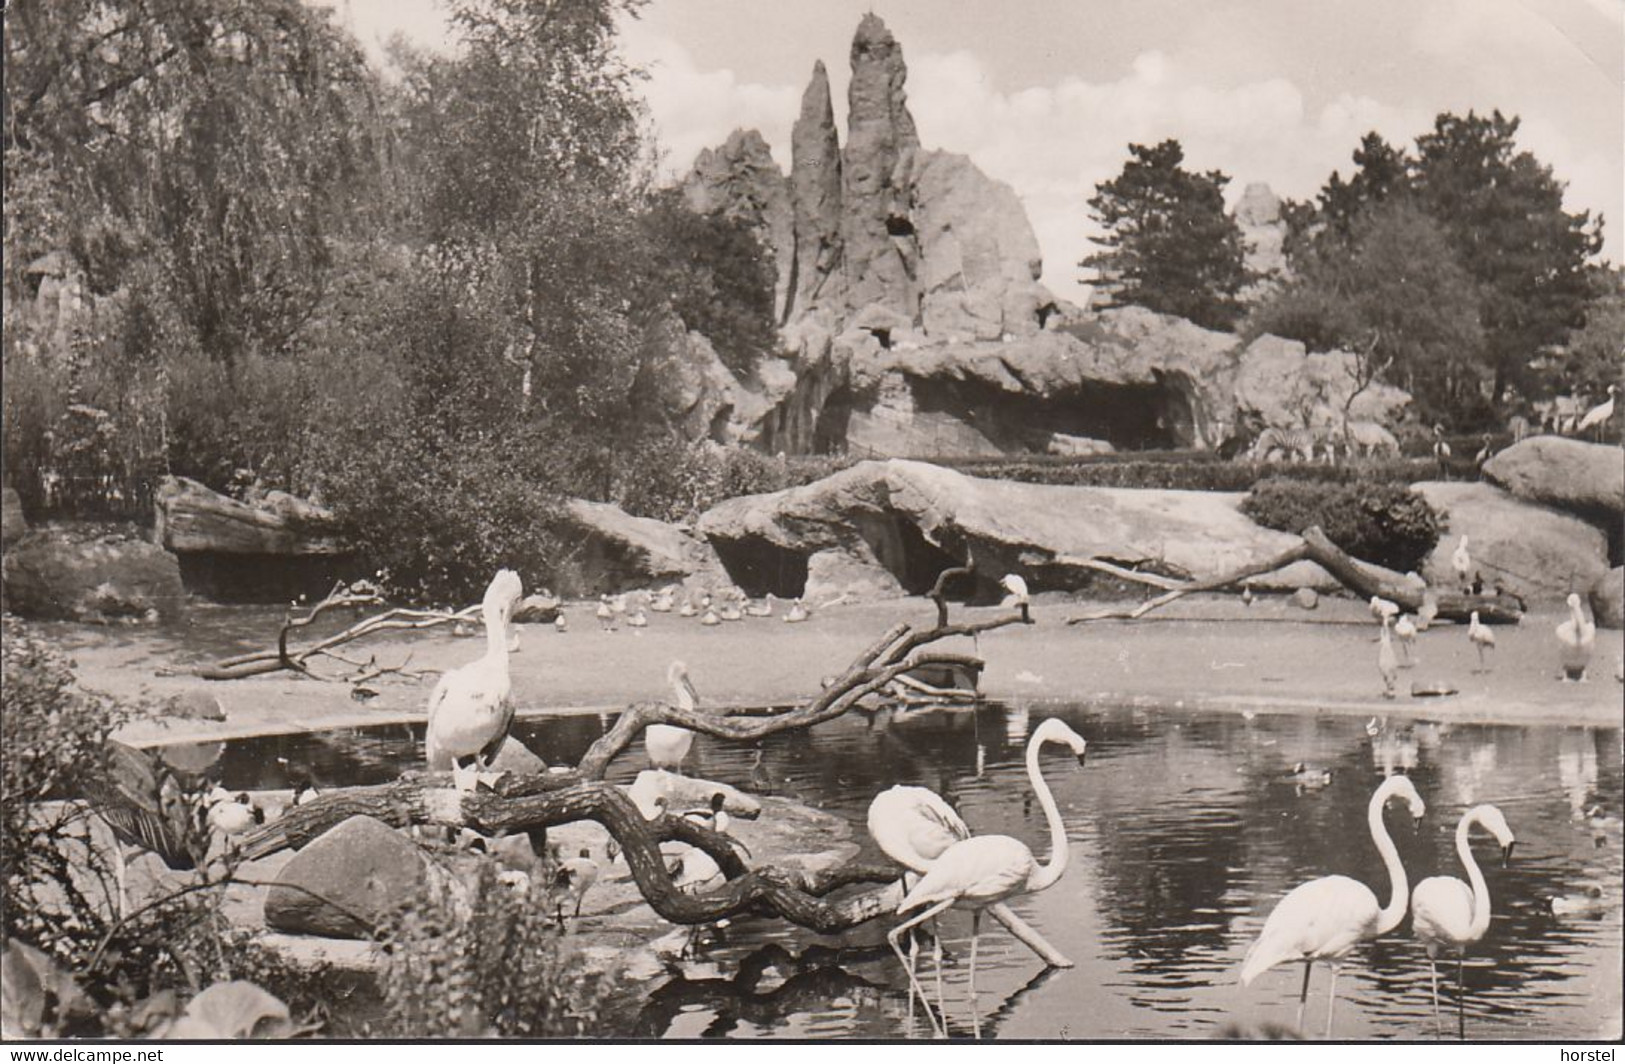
{"points": [[879, 135], [1277, 383], [12, 522], [1582, 478], [1608, 598], [815, 192], [620, 552], [347, 883], [740, 181], [194, 518], [88, 575], [1538, 553], [913, 519]]}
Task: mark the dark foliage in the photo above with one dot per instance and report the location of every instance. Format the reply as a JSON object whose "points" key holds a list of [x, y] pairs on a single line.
{"points": [[1385, 523]]}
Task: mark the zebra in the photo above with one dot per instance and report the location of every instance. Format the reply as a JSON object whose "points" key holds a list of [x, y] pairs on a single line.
{"points": [[1290, 444]]}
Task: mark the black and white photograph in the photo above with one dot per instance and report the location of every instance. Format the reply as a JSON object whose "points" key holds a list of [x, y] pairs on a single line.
{"points": [[871, 521]]}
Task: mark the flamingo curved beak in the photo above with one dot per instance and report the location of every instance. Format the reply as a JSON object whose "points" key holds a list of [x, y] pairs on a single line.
{"points": [[1506, 853]]}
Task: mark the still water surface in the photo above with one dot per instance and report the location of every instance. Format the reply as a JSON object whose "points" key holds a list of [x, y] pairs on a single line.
{"points": [[1184, 831]]}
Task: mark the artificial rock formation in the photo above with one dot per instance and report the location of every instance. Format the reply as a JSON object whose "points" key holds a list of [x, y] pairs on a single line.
{"points": [[741, 181], [1538, 553]]}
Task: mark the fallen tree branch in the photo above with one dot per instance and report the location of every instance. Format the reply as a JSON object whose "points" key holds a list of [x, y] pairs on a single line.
{"points": [[1279, 561]]}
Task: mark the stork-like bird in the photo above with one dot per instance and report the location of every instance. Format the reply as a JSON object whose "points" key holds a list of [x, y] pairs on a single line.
{"points": [[1482, 639], [1405, 629], [1323, 919], [1382, 609], [1462, 563], [1578, 637], [1448, 916], [1387, 663], [666, 744], [1599, 415], [149, 805], [985, 870], [469, 710], [1428, 611], [1441, 451]]}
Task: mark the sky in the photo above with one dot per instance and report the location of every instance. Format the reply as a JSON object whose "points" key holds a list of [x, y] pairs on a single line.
{"points": [[1048, 94]]}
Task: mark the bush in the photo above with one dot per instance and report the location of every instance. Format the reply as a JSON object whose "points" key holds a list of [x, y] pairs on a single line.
{"points": [[491, 965], [1385, 523], [1184, 471]]}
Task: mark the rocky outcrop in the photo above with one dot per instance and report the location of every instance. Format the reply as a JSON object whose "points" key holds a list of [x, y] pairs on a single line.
{"points": [[347, 883], [12, 522], [911, 520], [815, 192], [620, 552], [740, 181], [1535, 552], [1585, 479], [881, 259], [191, 517], [86, 575], [1281, 383], [1263, 234], [1608, 599]]}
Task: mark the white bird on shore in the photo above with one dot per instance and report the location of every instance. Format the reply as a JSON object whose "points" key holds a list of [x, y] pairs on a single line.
{"points": [[605, 614], [560, 624], [1323, 919], [1247, 596], [1405, 628], [1429, 610], [1579, 638], [1017, 588], [731, 612], [1599, 415], [1382, 609], [710, 618], [1387, 664], [572, 881], [796, 613], [666, 744], [763, 610], [985, 870], [687, 608], [1462, 563], [662, 601], [469, 710], [639, 619], [1448, 916], [1482, 639], [232, 814]]}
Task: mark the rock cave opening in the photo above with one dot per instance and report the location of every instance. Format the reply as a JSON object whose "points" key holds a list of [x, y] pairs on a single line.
{"points": [[758, 567], [261, 579], [1130, 417], [902, 548], [829, 431]]}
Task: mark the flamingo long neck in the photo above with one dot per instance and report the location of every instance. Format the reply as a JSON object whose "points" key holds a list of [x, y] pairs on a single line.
{"points": [[1059, 851], [496, 636], [1481, 890], [1394, 911]]}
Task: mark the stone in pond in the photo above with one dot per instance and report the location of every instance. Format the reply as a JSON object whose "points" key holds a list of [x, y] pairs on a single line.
{"points": [[1305, 598], [348, 882], [1431, 690]]}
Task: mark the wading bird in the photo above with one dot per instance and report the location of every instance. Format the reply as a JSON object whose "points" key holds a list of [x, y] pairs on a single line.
{"points": [[1599, 415], [796, 613], [469, 710], [572, 881], [1382, 609], [985, 869], [1441, 452], [1448, 916], [151, 806], [666, 744], [1405, 628], [913, 826], [1462, 563], [1482, 639], [1428, 611], [1323, 919], [1387, 663], [1578, 638], [605, 614]]}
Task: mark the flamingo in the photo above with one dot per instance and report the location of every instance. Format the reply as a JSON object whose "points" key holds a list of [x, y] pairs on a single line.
{"points": [[1323, 919], [1482, 639], [1382, 609], [1429, 610], [984, 870], [796, 613], [1598, 415], [666, 744], [1387, 664], [1462, 563], [469, 709], [1579, 639], [1405, 628], [913, 826], [1448, 916]]}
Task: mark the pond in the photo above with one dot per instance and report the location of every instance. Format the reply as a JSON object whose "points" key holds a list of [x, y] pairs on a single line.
{"points": [[1184, 831]]}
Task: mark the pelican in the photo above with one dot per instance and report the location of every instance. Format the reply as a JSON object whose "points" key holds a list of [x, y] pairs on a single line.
{"points": [[731, 612], [1405, 628], [984, 870], [1482, 639], [469, 709], [1387, 664], [638, 619], [686, 609], [666, 744], [1448, 916], [572, 881], [1382, 609], [148, 805], [605, 614], [796, 613], [710, 618], [1017, 588], [232, 814], [1599, 415], [913, 826], [1462, 563], [661, 603], [1579, 639], [764, 610], [1323, 919]]}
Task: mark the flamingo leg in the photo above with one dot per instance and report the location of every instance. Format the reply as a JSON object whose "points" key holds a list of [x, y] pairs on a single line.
{"points": [[1331, 1001], [1303, 995], [1461, 1000], [975, 1012], [896, 933], [1433, 967], [936, 959]]}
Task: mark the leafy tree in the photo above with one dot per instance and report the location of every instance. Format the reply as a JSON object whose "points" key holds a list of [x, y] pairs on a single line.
{"points": [[1594, 357], [1169, 244]]}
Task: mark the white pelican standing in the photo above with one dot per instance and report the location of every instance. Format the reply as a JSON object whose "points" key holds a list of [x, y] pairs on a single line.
{"points": [[986, 869], [1482, 639], [1323, 919], [1579, 639], [1448, 916], [1462, 563], [1017, 588], [1387, 664], [1405, 629], [666, 744], [469, 709], [1598, 415]]}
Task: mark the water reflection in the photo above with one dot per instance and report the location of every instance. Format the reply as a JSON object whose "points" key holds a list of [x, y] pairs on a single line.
{"points": [[1185, 830]]}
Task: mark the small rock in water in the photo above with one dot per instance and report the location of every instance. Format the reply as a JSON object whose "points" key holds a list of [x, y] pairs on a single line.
{"points": [[1431, 690], [1305, 598]]}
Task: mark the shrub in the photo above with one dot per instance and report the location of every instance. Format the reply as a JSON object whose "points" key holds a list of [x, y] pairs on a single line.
{"points": [[1385, 523], [489, 965]]}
